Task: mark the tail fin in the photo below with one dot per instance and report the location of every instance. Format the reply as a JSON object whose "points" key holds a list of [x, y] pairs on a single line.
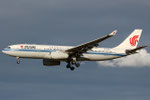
{"points": [[131, 41]]}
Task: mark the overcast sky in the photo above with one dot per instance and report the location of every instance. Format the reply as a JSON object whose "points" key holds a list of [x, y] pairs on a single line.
{"points": [[71, 22]]}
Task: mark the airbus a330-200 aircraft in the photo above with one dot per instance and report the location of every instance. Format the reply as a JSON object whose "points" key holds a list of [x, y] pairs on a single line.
{"points": [[53, 55]]}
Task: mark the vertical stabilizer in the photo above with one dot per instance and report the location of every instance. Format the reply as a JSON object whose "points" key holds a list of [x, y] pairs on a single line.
{"points": [[131, 41]]}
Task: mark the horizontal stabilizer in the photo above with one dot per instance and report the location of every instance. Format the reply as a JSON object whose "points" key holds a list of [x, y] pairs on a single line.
{"points": [[133, 51]]}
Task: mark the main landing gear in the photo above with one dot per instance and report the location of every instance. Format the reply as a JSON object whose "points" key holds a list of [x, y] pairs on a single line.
{"points": [[18, 60], [70, 65]]}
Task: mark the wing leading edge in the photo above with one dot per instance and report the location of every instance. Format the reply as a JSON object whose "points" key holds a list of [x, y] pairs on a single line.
{"points": [[89, 45]]}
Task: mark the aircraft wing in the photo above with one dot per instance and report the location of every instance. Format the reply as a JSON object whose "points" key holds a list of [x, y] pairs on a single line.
{"points": [[133, 51], [89, 45]]}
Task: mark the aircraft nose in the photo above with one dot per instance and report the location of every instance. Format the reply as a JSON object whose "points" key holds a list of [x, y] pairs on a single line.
{"points": [[4, 51]]}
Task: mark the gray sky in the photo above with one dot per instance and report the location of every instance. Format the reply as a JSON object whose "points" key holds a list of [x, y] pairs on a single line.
{"points": [[66, 22]]}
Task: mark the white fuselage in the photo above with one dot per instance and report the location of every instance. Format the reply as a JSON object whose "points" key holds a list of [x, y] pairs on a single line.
{"points": [[58, 52], [53, 55]]}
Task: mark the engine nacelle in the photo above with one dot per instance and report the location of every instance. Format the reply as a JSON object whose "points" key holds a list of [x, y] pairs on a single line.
{"points": [[48, 62]]}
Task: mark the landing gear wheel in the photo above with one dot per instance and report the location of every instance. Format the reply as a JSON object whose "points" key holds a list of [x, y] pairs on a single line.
{"points": [[68, 66], [72, 68]]}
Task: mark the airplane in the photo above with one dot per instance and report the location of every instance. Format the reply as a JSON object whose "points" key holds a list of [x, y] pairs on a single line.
{"points": [[53, 55]]}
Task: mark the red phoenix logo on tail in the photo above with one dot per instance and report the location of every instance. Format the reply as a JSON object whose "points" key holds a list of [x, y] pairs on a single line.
{"points": [[134, 40]]}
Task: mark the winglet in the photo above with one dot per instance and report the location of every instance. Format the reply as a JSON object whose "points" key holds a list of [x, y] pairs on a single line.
{"points": [[113, 33]]}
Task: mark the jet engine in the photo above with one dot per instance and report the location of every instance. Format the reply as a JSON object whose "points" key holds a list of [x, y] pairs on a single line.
{"points": [[48, 62]]}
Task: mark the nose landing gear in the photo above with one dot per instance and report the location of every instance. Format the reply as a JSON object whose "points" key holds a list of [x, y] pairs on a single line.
{"points": [[18, 60]]}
